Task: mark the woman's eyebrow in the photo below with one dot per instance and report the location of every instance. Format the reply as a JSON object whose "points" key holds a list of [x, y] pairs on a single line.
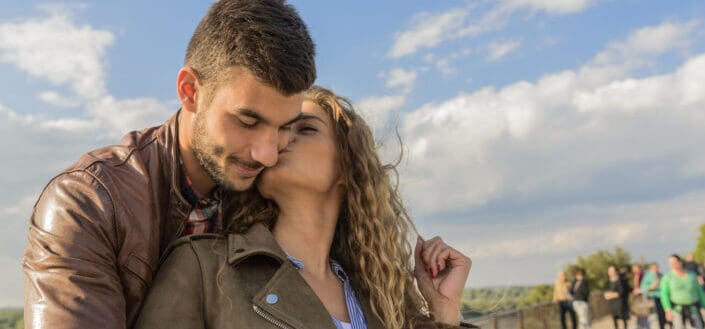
{"points": [[305, 116]]}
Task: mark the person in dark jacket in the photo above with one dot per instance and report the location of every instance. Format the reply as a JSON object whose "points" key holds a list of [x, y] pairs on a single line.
{"points": [[322, 243], [99, 227], [580, 290], [618, 297]]}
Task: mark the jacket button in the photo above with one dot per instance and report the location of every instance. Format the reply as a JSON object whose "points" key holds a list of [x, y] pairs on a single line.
{"points": [[272, 299]]}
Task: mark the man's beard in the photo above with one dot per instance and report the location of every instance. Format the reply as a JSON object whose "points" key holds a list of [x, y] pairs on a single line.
{"points": [[207, 155]]}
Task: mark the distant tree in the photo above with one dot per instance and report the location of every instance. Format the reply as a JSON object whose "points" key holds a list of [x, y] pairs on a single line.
{"points": [[540, 294], [11, 319], [700, 247], [596, 265]]}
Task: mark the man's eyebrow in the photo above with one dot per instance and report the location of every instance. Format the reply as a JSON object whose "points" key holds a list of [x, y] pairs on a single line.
{"points": [[252, 114]]}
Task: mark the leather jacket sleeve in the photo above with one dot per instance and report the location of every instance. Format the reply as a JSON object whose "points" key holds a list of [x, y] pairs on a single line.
{"points": [[70, 266], [179, 274]]}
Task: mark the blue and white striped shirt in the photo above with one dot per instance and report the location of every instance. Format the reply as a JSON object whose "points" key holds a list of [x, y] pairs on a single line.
{"points": [[357, 318]]}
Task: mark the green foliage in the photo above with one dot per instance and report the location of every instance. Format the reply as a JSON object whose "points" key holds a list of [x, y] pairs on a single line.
{"points": [[11, 319], [596, 265], [540, 294], [480, 301], [700, 247]]}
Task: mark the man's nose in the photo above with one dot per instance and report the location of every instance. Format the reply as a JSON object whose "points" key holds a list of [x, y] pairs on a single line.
{"points": [[266, 149]]}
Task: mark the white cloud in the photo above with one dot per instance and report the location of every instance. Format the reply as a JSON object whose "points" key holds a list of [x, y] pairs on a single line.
{"points": [[443, 65], [58, 100], [550, 6], [119, 116], [377, 110], [646, 42], [56, 49], [498, 50], [557, 135], [402, 78], [428, 31]]}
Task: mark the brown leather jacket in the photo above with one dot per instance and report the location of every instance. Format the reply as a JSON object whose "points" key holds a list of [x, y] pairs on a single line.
{"points": [[98, 230], [239, 281]]}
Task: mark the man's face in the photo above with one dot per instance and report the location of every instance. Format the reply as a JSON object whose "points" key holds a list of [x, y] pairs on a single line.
{"points": [[240, 128]]}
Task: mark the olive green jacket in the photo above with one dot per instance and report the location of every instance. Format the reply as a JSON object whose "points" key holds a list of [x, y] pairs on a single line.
{"points": [[242, 281]]}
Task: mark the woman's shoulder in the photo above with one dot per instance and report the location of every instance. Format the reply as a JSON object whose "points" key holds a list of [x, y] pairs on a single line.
{"points": [[200, 245], [210, 248]]}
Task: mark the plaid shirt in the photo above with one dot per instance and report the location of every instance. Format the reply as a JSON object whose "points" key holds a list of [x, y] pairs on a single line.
{"points": [[207, 213]]}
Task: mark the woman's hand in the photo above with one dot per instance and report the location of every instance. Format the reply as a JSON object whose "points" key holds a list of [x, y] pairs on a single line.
{"points": [[441, 273]]}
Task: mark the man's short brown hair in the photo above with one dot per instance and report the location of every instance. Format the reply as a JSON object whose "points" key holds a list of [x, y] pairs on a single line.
{"points": [[265, 36]]}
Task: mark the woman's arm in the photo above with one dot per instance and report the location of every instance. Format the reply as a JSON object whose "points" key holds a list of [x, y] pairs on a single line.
{"points": [[175, 300]]}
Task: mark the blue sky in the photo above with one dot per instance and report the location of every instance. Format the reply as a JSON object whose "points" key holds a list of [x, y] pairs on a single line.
{"points": [[534, 130]]}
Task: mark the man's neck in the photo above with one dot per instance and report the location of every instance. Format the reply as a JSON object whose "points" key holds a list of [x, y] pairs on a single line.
{"points": [[200, 181]]}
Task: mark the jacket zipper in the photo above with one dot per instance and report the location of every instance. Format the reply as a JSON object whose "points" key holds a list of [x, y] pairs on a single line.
{"points": [[269, 317]]}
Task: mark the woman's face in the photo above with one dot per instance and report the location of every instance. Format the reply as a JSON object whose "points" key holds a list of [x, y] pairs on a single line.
{"points": [[675, 263], [612, 271], [309, 162]]}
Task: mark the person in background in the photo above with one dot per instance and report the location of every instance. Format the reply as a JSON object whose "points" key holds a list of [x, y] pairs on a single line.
{"points": [[650, 287], [690, 264], [640, 308], [580, 291], [617, 295], [701, 275], [638, 275], [681, 295], [564, 299]]}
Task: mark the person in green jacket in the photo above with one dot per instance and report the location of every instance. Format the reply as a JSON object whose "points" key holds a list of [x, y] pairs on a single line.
{"points": [[681, 295], [650, 286]]}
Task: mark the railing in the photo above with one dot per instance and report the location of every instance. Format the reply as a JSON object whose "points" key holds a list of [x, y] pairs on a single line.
{"points": [[541, 316]]}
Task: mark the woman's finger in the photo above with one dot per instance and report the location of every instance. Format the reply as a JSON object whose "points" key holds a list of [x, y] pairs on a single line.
{"points": [[430, 248]]}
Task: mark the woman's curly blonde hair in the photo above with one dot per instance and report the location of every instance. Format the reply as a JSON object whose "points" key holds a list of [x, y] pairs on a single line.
{"points": [[371, 238]]}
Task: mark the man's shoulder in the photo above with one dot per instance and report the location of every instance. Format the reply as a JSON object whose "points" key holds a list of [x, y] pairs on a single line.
{"points": [[132, 156], [108, 170], [118, 154]]}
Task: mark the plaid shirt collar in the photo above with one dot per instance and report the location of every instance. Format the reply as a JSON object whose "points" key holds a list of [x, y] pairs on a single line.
{"points": [[206, 213]]}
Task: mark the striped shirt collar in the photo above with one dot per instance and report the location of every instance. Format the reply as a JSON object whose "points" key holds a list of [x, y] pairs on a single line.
{"points": [[357, 317]]}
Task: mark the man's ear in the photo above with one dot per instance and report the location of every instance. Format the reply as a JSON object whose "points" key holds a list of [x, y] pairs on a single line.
{"points": [[187, 88]]}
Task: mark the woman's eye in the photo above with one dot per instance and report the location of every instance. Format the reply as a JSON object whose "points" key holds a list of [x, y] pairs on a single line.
{"points": [[304, 129]]}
